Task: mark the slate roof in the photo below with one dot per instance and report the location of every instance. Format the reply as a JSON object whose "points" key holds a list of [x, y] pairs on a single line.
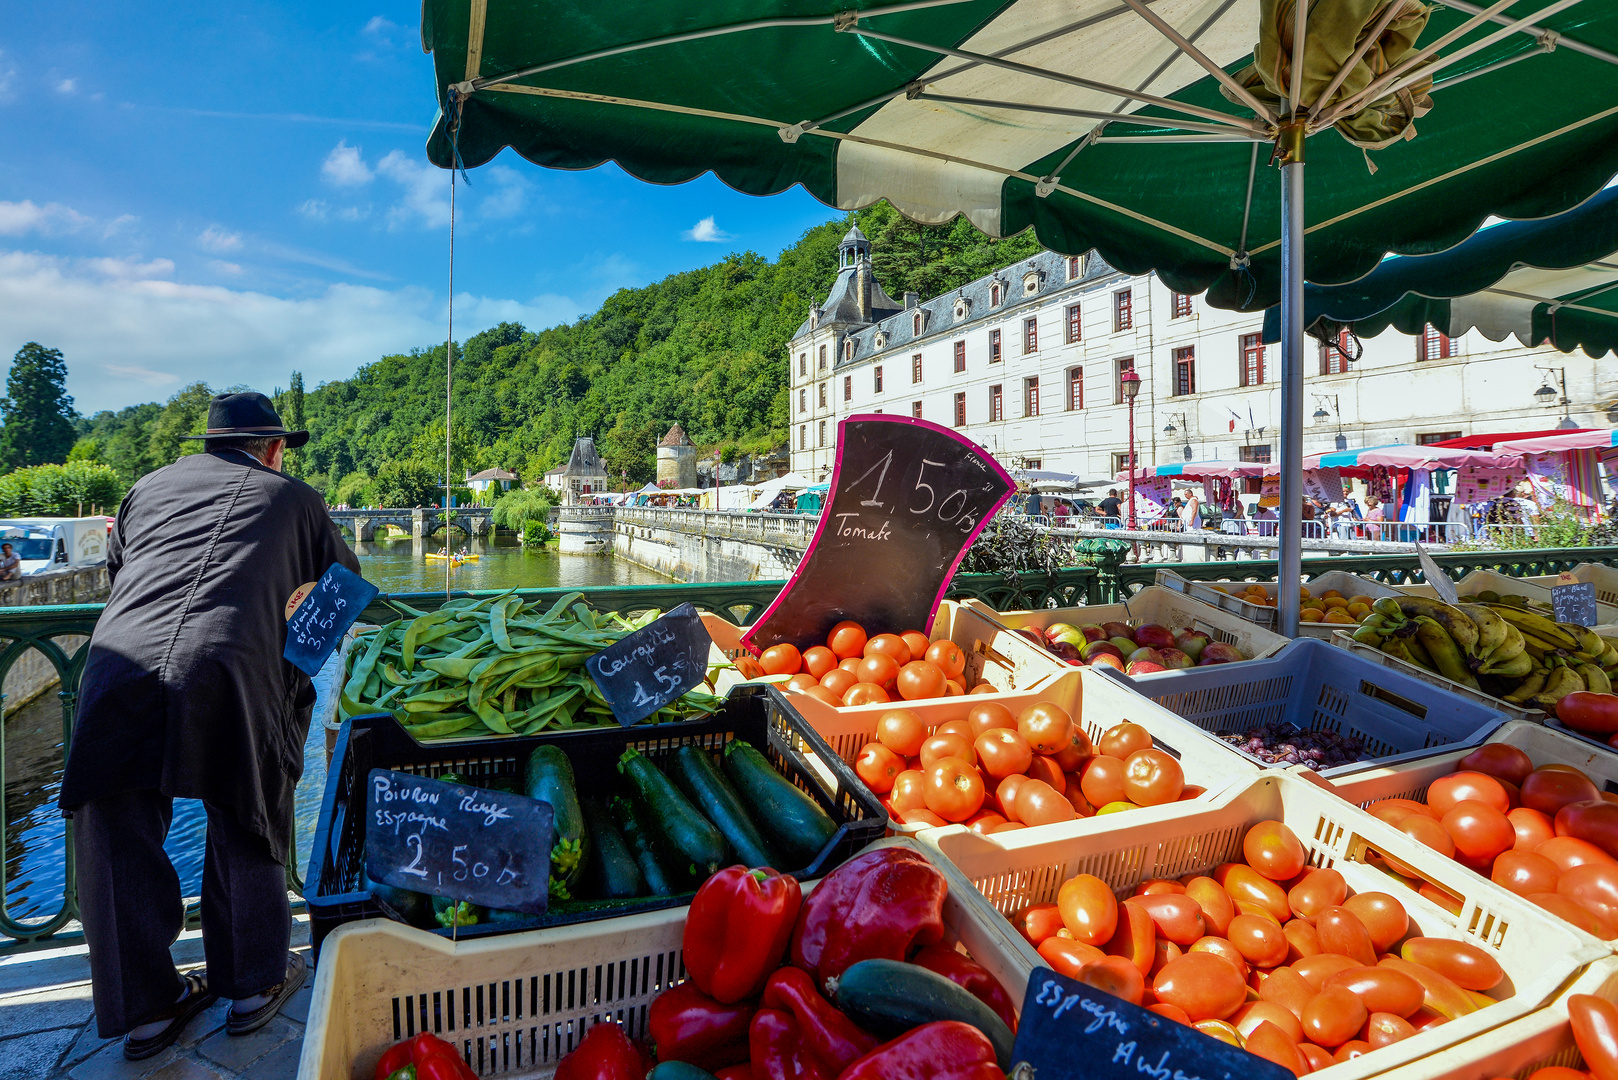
{"points": [[675, 437], [584, 460], [495, 473]]}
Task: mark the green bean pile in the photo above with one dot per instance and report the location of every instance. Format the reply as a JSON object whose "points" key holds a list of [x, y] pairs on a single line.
{"points": [[494, 666]]}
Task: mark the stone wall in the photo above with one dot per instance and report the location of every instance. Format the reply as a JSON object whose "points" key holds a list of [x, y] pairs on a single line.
{"points": [[698, 546]]}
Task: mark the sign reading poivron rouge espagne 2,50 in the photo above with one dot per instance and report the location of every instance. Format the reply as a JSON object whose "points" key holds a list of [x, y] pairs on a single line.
{"points": [[907, 498]]}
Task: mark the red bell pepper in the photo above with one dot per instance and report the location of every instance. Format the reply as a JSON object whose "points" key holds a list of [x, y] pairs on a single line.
{"points": [[688, 1025], [971, 976], [882, 904], [743, 1071], [777, 1050], [605, 1053], [827, 1033], [738, 929], [393, 1059], [944, 1050], [423, 1057]]}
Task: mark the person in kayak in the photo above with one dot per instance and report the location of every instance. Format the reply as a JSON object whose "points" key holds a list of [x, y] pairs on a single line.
{"points": [[185, 694]]}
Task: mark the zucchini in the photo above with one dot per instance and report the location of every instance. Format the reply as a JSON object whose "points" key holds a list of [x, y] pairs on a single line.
{"points": [[889, 997], [793, 820], [548, 777], [613, 872], [685, 833], [631, 818], [678, 1070], [696, 775]]}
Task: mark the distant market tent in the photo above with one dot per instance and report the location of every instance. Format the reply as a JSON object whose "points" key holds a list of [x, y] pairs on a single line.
{"points": [[1201, 470], [1405, 456], [1592, 439]]}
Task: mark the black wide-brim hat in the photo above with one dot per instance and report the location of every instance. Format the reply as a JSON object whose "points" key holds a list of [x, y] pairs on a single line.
{"points": [[247, 416]]}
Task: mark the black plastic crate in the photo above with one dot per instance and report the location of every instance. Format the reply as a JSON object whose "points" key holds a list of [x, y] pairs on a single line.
{"points": [[754, 714]]}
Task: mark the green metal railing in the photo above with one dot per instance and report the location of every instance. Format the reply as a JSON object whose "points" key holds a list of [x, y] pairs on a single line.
{"points": [[1105, 582]]}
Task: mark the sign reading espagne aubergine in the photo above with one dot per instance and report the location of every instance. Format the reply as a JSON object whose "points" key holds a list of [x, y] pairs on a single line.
{"points": [[906, 500]]}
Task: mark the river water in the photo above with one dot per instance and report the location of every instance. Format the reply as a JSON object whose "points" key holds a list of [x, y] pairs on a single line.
{"points": [[34, 855]]}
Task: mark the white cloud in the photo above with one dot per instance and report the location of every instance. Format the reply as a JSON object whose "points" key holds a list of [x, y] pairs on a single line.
{"points": [[509, 195], [17, 218], [706, 232], [8, 77], [222, 267], [382, 27], [315, 209], [144, 376], [219, 241], [344, 167], [131, 268], [425, 198], [67, 86]]}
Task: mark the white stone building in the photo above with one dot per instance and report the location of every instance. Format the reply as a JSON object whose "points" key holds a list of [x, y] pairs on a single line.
{"points": [[1026, 363]]}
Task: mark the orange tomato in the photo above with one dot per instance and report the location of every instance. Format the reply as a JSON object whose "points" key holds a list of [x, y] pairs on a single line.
{"points": [[1333, 1016], [846, 640], [890, 645], [1274, 851], [1480, 831], [1383, 1029], [954, 789], [990, 714], [838, 681], [956, 727], [1383, 916], [1243, 883], [919, 679], [748, 668], [1254, 1013], [1286, 988], [1102, 780], [802, 681], [1268, 1041], [1525, 872], [1427, 831], [1594, 1022], [1042, 921], [1465, 965], [878, 668], [1123, 739], [1116, 976], [921, 816], [782, 659], [1322, 966], [1381, 990], [1260, 941], [820, 693], [1341, 932], [1318, 890], [983, 688], [878, 767], [1135, 938], [947, 745], [1217, 907], [953, 689], [817, 660], [1594, 923], [901, 731], [863, 693], [916, 642], [1046, 726], [1175, 916], [1002, 753], [1076, 752], [985, 822], [1005, 794], [1532, 828], [1041, 767], [1040, 804], [948, 656], [1458, 787], [909, 790], [1066, 956], [1152, 777], [1205, 986], [1569, 851], [1088, 908], [1302, 939]]}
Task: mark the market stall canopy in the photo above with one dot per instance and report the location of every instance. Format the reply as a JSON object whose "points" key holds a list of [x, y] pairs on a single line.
{"points": [[1549, 444], [1199, 470], [1401, 456], [1133, 128], [766, 492], [1554, 280]]}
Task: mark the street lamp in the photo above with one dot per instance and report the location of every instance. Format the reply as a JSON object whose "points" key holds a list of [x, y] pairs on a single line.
{"points": [[1130, 382], [1547, 395], [1321, 413]]}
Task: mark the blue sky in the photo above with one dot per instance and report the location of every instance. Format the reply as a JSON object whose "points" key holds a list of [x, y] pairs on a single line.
{"points": [[230, 192]]}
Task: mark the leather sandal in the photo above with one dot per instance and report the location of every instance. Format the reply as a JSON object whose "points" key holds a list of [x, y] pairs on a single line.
{"points": [[246, 1023], [178, 1015]]}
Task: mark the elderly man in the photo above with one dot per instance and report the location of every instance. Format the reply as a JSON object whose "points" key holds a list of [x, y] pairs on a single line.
{"points": [[185, 695]]}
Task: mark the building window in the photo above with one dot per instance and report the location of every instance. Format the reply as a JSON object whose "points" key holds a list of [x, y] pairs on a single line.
{"points": [[1075, 388], [1252, 372], [1436, 437], [848, 349], [960, 356], [1433, 345], [1030, 336], [823, 433], [1334, 355], [915, 324], [803, 363], [879, 378], [1033, 463], [996, 408], [1126, 364], [1074, 267], [915, 368], [1120, 465], [803, 436], [915, 409], [1030, 396], [848, 388], [822, 395], [994, 295], [1075, 327], [1185, 370], [960, 409], [994, 346], [1123, 310], [1259, 454], [1182, 305], [803, 400], [823, 358]]}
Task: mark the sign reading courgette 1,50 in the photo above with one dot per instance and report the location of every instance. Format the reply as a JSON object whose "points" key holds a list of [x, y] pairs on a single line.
{"points": [[906, 500]]}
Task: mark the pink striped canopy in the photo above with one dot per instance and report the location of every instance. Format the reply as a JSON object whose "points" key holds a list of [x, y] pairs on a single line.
{"points": [[1594, 439]]}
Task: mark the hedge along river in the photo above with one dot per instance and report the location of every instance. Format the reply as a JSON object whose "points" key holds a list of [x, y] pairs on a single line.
{"points": [[35, 844]]}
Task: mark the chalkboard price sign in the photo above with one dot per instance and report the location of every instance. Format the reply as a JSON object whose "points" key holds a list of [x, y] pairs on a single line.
{"points": [[906, 500], [1070, 1031], [1575, 603], [462, 842], [324, 616], [643, 672]]}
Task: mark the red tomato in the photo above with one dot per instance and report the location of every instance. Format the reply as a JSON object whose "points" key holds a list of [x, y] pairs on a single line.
{"points": [[947, 745], [1318, 890], [1002, 753], [1381, 990], [839, 682], [850, 665], [919, 679], [1152, 777], [901, 731], [1075, 795], [1333, 1016], [1524, 872], [846, 640], [922, 816], [864, 693], [1446, 791], [1593, 885], [890, 645], [879, 668], [1465, 965], [820, 693], [1075, 753], [1042, 767], [1261, 942], [916, 642], [1040, 922], [1558, 1072], [781, 660], [1246, 885], [1203, 985], [1501, 761], [1589, 921], [1005, 794], [1548, 790], [1154, 886], [1532, 828], [1593, 714], [1217, 907], [1287, 989], [1569, 851], [985, 822], [1322, 966], [1595, 1030], [1066, 956], [1595, 822], [1385, 919], [1268, 1041], [817, 660], [1341, 932], [954, 788], [1384, 1028], [1480, 831], [1318, 1057], [948, 656], [909, 790], [1116, 976], [1173, 1012], [1302, 940], [1040, 804], [1123, 739], [1226, 950], [1135, 938], [1254, 1013], [1429, 832], [801, 682], [1274, 851], [956, 727], [1350, 1050], [1102, 780], [986, 715], [878, 767], [1089, 909], [1394, 811], [1046, 727], [1175, 916]]}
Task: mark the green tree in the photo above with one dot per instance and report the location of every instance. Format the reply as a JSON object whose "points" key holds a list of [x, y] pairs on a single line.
{"points": [[407, 483], [185, 414], [71, 490], [38, 412], [293, 418]]}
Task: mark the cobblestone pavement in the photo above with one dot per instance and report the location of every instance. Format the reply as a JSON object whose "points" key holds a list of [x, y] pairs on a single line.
{"points": [[47, 1029]]}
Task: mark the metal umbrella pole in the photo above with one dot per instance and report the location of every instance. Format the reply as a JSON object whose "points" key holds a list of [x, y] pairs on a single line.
{"points": [[1289, 569]]}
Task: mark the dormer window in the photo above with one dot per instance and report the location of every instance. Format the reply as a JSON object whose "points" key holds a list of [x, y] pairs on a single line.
{"points": [[963, 308], [1030, 282], [881, 339], [915, 324], [1075, 267], [848, 349], [994, 295]]}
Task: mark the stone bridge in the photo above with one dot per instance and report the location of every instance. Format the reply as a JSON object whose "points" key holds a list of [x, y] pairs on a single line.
{"points": [[419, 522]]}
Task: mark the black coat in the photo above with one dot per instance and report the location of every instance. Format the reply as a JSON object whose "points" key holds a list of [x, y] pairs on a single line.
{"points": [[185, 689]]}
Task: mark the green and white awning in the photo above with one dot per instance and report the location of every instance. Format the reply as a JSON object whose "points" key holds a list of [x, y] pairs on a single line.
{"points": [[1550, 281], [1140, 128]]}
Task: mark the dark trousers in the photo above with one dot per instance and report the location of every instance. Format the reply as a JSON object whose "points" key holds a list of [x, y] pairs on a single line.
{"points": [[130, 905]]}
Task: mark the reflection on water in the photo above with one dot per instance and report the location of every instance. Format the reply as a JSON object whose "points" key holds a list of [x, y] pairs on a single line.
{"points": [[35, 849]]}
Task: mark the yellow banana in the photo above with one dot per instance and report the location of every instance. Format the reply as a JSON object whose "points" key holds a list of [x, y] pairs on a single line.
{"points": [[1589, 641], [1609, 658], [1491, 630], [1446, 652], [1462, 629], [1509, 668], [1595, 679], [1418, 653], [1532, 684], [1514, 645], [1562, 682], [1537, 625]]}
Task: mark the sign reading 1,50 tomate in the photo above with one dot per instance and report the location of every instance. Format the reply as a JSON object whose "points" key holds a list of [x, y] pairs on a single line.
{"points": [[906, 500]]}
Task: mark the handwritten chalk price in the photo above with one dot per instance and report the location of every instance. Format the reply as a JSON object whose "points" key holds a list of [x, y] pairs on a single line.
{"points": [[652, 667], [324, 616]]}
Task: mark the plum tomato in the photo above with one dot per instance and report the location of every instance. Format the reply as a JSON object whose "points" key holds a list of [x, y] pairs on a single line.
{"points": [[1173, 1012], [986, 715], [1136, 936], [1152, 777], [1002, 753], [1222, 1030], [909, 790], [1166, 951], [1286, 988], [1341, 932], [1595, 1032], [1394, 811], [1088, 908], [1382, 990], [1384, 1029], [1594, 822], [1524, 872], [1499, 760], [1261, 942], [817, 660], [1302, 939], [950, 657], [801, 682], [838, 682], [1590, 713], [1318, 890], [1175, 916], [1333, 1016], [1224, 948], [1217, 907], [1005, 794], [1464, 965], [1383, 916], [1205, 986], [1270, 1042], [1043, 767], [1593, 885], [890, 645], [1153, 886], [922, 816], [1040, 804], [1591, 922], [1532, 828], [1429, 832], [1569, 851], [919, 679], [864, 693], [1039, 922], [901, 731], [954, 789], [1246, 885], [1274, 851], [846, 640], [1322, 966], [879, 668], [1350, 1050], [878, 767], [1480, 832], [1046, 726], [1116, 976], [1457, 787], [1123, 739], [1317, 1057], [748, 668], [1066, 956], [1102, 780], [916, 642], [1252, 1014], [1548, 790], [937, 747], [781, 659], [985, 822]]}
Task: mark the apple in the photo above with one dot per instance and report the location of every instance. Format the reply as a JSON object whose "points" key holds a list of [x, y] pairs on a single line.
{"points": [[1145, 653], [1107, 659], [1066, 651], [1117, 630], [1143, 667], [1057, 631], [1094, 649], [1092, 632], [1217, 652], [1191, 642], [1124, 645], [1032, 635], [1154, 635], [1175, 659], [1070, 637]]}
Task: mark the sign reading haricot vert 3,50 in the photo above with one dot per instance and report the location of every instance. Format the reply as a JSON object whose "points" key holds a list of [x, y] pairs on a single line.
{"points": [[907, 499]]}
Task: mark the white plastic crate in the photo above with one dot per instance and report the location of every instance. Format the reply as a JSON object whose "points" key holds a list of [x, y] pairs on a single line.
{"points": [[1263, 615], [1343, 639], [515, 1005], [1153, 604], [1539, 953], [1480, 580], [1604, 578]]}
